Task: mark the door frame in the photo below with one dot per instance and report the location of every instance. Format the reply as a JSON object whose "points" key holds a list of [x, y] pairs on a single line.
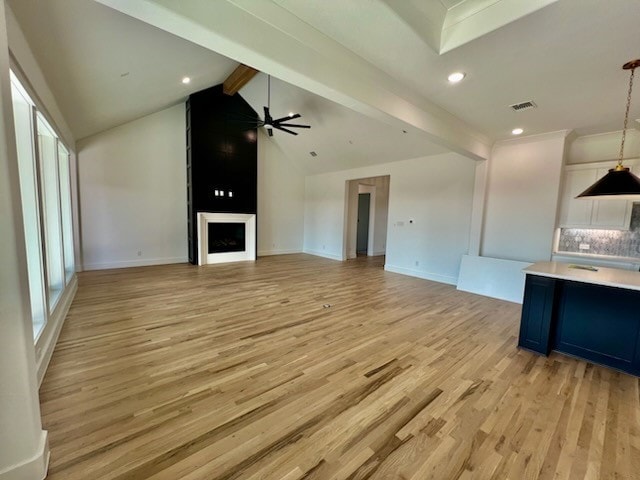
{"points": [[371, 190]]}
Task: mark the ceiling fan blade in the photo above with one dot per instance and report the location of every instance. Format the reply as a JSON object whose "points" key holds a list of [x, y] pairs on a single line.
{"points": [[297, 115], [270, 131], [285, 130], [292, 125]]}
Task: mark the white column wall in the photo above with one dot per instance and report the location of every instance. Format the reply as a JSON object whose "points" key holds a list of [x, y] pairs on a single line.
{"points": [[523, 187], [23, 449]]}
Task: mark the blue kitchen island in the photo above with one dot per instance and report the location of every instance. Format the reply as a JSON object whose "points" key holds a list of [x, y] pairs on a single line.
{"points": [[590, 313]]}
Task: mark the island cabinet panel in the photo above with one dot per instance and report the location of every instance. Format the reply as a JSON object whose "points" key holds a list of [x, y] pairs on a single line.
{"points": [[537, 314], [601, 324], [586, 312]]}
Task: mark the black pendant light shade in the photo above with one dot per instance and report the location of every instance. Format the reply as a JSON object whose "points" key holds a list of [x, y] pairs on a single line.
{"points": [[619, 183]]}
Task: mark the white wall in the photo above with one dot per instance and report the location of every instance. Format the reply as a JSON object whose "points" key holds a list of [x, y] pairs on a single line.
{"points": [[522, 198], [604, 146], [435, 192], [280, 200], [133, 194], [23, 443]]}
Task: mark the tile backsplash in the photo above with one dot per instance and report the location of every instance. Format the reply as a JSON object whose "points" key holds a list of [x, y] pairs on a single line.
{"points": [[618, 243]]}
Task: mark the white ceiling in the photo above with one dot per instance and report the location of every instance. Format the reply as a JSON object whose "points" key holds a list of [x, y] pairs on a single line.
{"points": [[342, 138], [566, 57], [84, 67], [84, 48]]}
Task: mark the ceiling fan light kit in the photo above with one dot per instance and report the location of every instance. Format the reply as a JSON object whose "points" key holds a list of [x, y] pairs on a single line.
{"points": [[619, 183]]}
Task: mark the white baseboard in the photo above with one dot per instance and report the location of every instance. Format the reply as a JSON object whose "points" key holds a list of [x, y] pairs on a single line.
{"points": [[49, 337], [33, 468], [135, 263], [267, 253], [378, 254], [436, 277], [318, 253]]}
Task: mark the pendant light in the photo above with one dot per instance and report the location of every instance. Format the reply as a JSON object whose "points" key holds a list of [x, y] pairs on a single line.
{"points": [[619, 183]]}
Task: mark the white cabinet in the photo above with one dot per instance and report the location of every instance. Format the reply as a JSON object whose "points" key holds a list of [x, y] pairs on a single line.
{"points": [[576, 212], [610, 213], [587, 213]]}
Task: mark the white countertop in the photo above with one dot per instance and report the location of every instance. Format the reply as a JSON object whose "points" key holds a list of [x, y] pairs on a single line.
{"points": [[612, 277]]}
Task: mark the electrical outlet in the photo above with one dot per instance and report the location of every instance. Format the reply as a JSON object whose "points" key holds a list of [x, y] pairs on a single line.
{"points": [[584, 246], [139, 253], [417, 263], [323, 247]]}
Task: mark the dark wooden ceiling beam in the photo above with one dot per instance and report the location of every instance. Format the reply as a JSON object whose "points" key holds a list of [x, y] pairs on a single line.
{"points": [[238, 79]]}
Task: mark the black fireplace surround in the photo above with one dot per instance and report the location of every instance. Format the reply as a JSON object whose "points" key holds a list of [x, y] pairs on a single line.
{"points": [[222, 155]]}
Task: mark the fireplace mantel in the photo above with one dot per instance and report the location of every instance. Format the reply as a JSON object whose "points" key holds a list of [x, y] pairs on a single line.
{"points": [[205, 218]]}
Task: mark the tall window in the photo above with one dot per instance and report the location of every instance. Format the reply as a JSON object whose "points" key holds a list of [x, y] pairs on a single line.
{"points": [[23, 112], [45, 187], [50, 185], [64, 174]]}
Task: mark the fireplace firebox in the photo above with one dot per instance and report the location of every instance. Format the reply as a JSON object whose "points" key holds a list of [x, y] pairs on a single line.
{"points": [[226, 237]]}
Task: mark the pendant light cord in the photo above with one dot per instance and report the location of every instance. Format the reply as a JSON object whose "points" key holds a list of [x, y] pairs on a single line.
{"points": [[269, 98], [626, 118]]}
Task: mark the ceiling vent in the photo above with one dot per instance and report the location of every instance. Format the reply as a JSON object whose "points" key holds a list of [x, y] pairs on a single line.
{"points": [[518, 107], [313, 154]]}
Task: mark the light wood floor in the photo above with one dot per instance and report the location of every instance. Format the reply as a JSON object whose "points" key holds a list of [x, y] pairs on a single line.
{"points": [[239, 372]]}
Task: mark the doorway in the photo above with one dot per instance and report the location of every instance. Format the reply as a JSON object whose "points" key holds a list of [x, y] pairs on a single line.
{"points": [[362, 236], [366, 217]]}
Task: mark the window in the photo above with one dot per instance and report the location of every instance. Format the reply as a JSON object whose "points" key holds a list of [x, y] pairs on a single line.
{"points": [[65, 209], [23, 112], [49, 183], [45, 188]]}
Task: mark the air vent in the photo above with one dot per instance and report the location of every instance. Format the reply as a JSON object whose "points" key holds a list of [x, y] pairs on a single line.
{"points": [[523, 106], [313, 154]]}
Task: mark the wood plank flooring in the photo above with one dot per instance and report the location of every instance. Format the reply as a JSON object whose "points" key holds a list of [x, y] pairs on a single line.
{"points": [[238, 371]]}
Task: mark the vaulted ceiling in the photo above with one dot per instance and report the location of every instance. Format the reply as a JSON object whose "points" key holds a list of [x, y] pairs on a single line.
{"points": [[106, 68], [360, 72]]}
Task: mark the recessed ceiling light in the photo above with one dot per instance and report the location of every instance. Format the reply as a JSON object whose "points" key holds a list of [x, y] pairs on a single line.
{"points": [[456, 77], [186, 80], [517, 131], [291, 114]]}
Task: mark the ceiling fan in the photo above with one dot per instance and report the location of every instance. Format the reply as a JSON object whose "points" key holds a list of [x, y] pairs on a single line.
{"points": [[279, 123]]}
